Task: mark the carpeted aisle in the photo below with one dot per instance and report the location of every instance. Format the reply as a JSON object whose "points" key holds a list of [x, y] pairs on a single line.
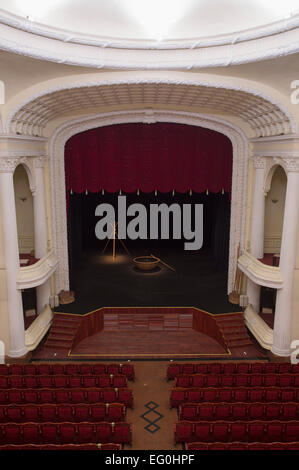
{"points": [[151, 417]]}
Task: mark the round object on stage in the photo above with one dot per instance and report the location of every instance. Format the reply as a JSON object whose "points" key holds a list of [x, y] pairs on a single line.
{"points": [[146, 263]]}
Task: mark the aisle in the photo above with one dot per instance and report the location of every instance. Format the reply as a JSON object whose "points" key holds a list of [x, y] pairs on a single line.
{"points": [[151, 401]]}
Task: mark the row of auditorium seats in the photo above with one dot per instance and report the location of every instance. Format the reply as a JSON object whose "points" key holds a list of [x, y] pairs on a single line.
{"points": [[68, 369], [110, 412], [243, 394], [255, 431], [239, 411], [232, 368], [65, 433], [253, 380], [242, 446], [71, 396], [109, 446], [63, 381]]}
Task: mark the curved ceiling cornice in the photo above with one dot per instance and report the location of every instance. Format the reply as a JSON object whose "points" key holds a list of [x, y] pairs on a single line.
{"points": [[27, 38], [264, 115]]}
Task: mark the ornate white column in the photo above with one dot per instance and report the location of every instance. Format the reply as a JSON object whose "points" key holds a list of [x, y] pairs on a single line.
{"points": [[283, 309], [11, 254], [257, 227], [43, 292], [258, 209]]}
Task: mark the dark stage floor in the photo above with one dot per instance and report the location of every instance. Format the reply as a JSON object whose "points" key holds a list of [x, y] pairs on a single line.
{"points": [[99, 281]]}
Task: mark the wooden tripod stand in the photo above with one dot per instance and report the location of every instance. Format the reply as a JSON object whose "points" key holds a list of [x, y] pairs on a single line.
{"points": [[114, 238]]}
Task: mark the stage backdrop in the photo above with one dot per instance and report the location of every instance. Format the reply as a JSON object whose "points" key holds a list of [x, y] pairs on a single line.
{"points": [[148, 157]]}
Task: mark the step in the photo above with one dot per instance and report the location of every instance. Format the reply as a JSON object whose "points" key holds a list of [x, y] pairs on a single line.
{"points": [[65, 322], [54, 344], [63, 330], [239, 342], [61, 335]]}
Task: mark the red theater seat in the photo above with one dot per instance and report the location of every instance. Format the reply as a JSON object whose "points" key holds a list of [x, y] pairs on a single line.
{"points": [[239, 411], [194, 395], [81, 413], [98, 412], [31, 433], [48, 413], [256, 432], [67, 433], [220, 432], [86, 433], [202, 432], [238, 432], [49, 433], [76, 396], [45, 381], [103, 432], [115, 412], [31, 413], [64, 413], [122, 433], [183, 431]]}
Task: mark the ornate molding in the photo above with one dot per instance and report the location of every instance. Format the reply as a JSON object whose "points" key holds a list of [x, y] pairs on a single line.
{"points": [[260, 273], [8, 164], [281, 121], [259, 162], [37, 330], [42, 42], [259, 328], [291, 164], [38, 273], [57, 175]]}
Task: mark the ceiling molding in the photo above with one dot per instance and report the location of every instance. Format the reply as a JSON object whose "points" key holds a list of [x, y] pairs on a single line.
{"points": [[264, 114], [34, 40]]}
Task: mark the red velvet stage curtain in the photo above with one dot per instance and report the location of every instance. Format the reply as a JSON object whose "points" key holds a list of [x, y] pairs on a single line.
{"points": [[162, 156]]}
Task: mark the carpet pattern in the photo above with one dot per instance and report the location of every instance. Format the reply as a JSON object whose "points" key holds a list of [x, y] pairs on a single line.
{"points": [[152, 416]]}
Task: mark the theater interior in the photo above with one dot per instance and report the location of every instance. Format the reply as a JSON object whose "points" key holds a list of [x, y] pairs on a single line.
{"points": [[149, 225]]}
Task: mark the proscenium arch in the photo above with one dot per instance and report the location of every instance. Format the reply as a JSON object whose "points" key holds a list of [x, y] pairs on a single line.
{"points": [[58, 189], [265, 110]]}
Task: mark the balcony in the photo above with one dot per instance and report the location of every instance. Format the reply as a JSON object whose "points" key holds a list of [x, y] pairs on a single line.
{"points": [[260, 273], [37, 273]]}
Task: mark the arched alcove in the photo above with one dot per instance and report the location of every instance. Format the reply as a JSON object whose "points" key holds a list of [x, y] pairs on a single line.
{"points": [[25, 226], [274, 211], [24, 210]]}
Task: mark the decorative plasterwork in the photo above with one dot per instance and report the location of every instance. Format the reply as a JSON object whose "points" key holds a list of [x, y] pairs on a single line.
{"points": [[38, 273], [37, 330], [259, 163], [259, 328], [8, 164], [260, 273], [42, 42], [58, 190], [265, 115]]}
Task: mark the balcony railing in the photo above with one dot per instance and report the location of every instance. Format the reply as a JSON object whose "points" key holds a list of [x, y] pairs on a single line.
{"points": [[37, 330], [258, 327], [260, 273], [36, 274]]}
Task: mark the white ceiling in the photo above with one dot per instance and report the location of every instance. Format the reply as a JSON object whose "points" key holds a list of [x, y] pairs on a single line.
{"points": [[152, 19]]}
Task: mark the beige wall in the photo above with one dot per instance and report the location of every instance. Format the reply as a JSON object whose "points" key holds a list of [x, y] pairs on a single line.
{"points": [[24, 208], [274, 210]]}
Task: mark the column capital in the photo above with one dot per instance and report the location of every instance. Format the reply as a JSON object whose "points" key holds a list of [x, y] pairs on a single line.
{"points": [[259, 162], [8, 164], [291, 164]]}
